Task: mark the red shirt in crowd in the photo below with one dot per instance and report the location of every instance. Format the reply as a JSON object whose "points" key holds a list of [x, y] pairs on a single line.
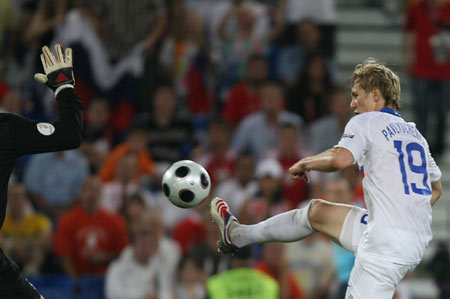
{"points": [[294, 191], [78, 234], [189, 232], [423, 18], [219, 169], [241, 102]]}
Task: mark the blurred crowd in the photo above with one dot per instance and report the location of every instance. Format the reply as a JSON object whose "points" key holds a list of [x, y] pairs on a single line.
{"points": [[245, 88]]}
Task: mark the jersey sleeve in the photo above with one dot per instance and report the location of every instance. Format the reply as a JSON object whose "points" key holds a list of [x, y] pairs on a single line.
{"points": [[435, 172], [354, 138], [30, 137]]}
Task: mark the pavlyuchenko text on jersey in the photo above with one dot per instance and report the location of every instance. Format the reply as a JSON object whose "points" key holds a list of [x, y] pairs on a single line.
{"points": [[393, 129]]}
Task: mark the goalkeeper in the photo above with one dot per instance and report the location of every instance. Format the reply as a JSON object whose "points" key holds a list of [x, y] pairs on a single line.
{"points": [[20, 136]]}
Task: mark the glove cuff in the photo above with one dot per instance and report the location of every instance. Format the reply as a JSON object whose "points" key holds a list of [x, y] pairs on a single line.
{"points": [[57, 90]]}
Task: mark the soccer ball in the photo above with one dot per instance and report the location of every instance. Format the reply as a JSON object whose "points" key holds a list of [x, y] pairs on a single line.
{"points": [[186, 184]]}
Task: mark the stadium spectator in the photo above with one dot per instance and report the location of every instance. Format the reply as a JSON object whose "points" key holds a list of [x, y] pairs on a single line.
{"points": [[184, 56], [168, 250], [26, 236], [339, 191], [309, 96], [312, 262], [145, 20], [11, 102], [191, 280], [322, 11], [205, 6], [42, 28], [293, 58], [258, 132], [244, 98], [98, 137], [133, 33], [218, 158], [88, 238], [133, 209], [136, 142], [241, 186], [287, 153], [192, 229], [8, 25], [274, 263], [353, 175], [205, 253], [170, 216], [115, 194], [326, 131], [427, 49], [52, 188], [146, 267], [241, 39], [242, 279], [98, 75], [268, 201], [170, 136], [44, 21]]}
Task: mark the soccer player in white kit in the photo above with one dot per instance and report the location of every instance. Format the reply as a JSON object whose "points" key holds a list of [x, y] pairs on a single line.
{"points": [[401, 182]]}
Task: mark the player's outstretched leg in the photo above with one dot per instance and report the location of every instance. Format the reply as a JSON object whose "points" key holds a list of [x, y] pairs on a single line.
{"points": [[286, 227], [318, 215]]}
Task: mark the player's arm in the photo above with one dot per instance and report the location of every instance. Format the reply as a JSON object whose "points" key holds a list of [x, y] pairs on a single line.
{"points": [[327, 161], [65, 133], [436, 189], [350, 148]]}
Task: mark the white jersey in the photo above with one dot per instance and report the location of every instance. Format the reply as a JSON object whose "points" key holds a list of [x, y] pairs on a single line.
{"points": [[397, 170]]}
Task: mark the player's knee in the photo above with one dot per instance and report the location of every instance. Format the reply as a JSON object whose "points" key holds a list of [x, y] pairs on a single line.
{"points": [[316, 213]]}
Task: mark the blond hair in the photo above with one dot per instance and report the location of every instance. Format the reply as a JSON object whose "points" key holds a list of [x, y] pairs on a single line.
{"points": [[372, 74]]}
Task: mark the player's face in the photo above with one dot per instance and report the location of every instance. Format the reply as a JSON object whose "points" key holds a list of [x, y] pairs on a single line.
{"points": [[362, 101]]}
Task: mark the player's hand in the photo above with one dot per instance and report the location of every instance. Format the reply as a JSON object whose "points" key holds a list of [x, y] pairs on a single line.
{"points": [[58, 71], [298, 171]]}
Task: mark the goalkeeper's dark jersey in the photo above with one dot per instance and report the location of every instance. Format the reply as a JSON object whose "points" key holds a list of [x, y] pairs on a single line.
{"points": [[20, 136]]}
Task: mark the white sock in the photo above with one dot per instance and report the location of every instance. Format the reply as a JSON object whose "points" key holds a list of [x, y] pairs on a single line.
{"points": [[286, 227]]}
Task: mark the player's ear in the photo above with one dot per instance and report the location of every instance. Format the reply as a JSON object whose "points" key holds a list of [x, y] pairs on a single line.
{"points": [[377, 94]]}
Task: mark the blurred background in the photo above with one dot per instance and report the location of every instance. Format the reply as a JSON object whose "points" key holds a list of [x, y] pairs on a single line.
{"points": [[246, 88]]}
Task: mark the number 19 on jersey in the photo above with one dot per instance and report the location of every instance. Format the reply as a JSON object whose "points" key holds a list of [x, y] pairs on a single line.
{"points": [[419, 169]]}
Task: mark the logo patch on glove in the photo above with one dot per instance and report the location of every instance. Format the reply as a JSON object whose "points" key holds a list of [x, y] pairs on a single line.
{"points": [[61, 77], [45, 129]]}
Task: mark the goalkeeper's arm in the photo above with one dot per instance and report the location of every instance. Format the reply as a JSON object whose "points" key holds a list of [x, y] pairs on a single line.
{"points": [[65, 133]]}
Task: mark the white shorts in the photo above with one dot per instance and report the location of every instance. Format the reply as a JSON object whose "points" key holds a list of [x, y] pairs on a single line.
{"points": [[370, 277]]}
